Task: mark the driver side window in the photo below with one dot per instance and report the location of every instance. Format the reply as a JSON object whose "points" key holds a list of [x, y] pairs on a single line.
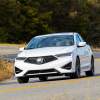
{"points": [[78, 40]]}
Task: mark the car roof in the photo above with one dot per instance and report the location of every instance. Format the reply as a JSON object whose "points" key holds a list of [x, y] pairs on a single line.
{"points": [[62, 33]]}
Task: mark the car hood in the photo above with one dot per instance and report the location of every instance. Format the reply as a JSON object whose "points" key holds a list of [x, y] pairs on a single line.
{"points": [[45, 51]]}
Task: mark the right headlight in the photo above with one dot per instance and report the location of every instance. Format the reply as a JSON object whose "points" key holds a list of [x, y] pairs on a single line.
{"points": [[64, 54]]}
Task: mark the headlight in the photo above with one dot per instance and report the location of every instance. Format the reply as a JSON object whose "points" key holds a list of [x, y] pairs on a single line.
{"points": [[64, 54], [40, 60], [20, 58]]}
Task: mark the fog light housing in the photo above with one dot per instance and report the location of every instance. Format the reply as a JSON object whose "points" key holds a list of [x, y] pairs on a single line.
{"points": [[67, 66], [17, 70]]}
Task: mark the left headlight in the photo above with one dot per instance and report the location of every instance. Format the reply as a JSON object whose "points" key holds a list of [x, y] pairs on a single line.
{"points": [[64, 54], [20, 58]]}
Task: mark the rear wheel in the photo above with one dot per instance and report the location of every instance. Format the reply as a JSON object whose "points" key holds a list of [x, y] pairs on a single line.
{"points": [[22, 79], [91, 71], [76, 74], [43, 78]]}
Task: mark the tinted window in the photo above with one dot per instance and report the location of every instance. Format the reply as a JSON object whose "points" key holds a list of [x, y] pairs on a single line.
{"points": [[81, 38], [78, 39]]}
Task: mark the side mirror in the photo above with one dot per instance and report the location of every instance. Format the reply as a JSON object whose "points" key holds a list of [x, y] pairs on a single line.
{"points": [[81, 44], [21, 49]]}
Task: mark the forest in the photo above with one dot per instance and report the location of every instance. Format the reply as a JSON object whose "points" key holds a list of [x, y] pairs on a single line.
{"points": [[20, 20]]}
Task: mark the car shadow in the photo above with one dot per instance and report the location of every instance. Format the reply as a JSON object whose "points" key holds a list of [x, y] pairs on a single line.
{"points": [[66, 78], [97, 75], [14, 81], [7, 83]]}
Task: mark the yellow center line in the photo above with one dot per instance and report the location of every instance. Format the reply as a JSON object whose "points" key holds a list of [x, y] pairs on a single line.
{"points": [[97, 59], [20, 88], [35, 86]]}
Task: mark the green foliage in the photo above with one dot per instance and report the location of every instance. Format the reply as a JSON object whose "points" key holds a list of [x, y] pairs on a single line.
{"points": [[20, 20]]}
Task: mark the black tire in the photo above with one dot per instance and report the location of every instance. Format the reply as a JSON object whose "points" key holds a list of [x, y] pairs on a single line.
{"points": [[22, 79], [43, 78], [91, 71], [77, 72]]}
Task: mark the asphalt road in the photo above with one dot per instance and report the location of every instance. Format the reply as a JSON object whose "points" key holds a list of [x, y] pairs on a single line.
{"points": [[58, 88]]}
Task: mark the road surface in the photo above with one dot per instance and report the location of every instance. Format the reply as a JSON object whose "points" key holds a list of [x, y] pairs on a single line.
{"points": [[58, 88]]}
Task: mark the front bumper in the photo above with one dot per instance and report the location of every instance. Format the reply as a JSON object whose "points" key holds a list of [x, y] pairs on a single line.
{"points": [[56, 67]]}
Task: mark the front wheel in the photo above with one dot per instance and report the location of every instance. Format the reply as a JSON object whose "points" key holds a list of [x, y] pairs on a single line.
{"points": [[76, 74], [91, 71], [22, 79]]}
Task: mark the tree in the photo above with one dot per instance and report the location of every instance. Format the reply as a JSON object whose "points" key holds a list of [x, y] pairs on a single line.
{"points": [[23, 19]]}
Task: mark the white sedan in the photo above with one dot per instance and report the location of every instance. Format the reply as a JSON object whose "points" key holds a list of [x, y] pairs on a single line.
{"points": [[53, 55]]}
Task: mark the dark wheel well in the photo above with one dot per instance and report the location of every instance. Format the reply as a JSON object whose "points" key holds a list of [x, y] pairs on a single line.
{"points": [[78, 58], [92, 70], [92, 57], [77, 72]]}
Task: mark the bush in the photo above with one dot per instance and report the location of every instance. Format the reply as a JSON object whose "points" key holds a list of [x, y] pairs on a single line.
{"points": [[6, 70]]}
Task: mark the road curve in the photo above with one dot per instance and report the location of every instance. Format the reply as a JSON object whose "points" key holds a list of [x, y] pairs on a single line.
{"points": [[58, 88]]}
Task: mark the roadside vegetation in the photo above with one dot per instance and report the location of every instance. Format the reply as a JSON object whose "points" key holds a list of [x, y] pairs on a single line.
{"points": [[6, 70], [13, 45], [20, 20]]}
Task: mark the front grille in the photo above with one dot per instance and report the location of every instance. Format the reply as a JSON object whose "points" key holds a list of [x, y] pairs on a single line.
{"points": [[44, 59], [41, 71]]}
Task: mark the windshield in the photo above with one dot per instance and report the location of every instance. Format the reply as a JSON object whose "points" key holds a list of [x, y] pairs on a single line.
{"points": [[51, 41]]}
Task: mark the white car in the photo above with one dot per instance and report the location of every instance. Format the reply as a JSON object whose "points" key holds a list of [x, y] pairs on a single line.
{"points": [[53, 55]]}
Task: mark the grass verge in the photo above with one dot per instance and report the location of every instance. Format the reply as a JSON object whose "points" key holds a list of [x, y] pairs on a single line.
{"points": [[12, 45], [6, 70]]}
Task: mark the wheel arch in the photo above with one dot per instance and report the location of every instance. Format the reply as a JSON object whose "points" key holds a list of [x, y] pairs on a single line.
{"points": [[77, 57], [92, 57]]}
